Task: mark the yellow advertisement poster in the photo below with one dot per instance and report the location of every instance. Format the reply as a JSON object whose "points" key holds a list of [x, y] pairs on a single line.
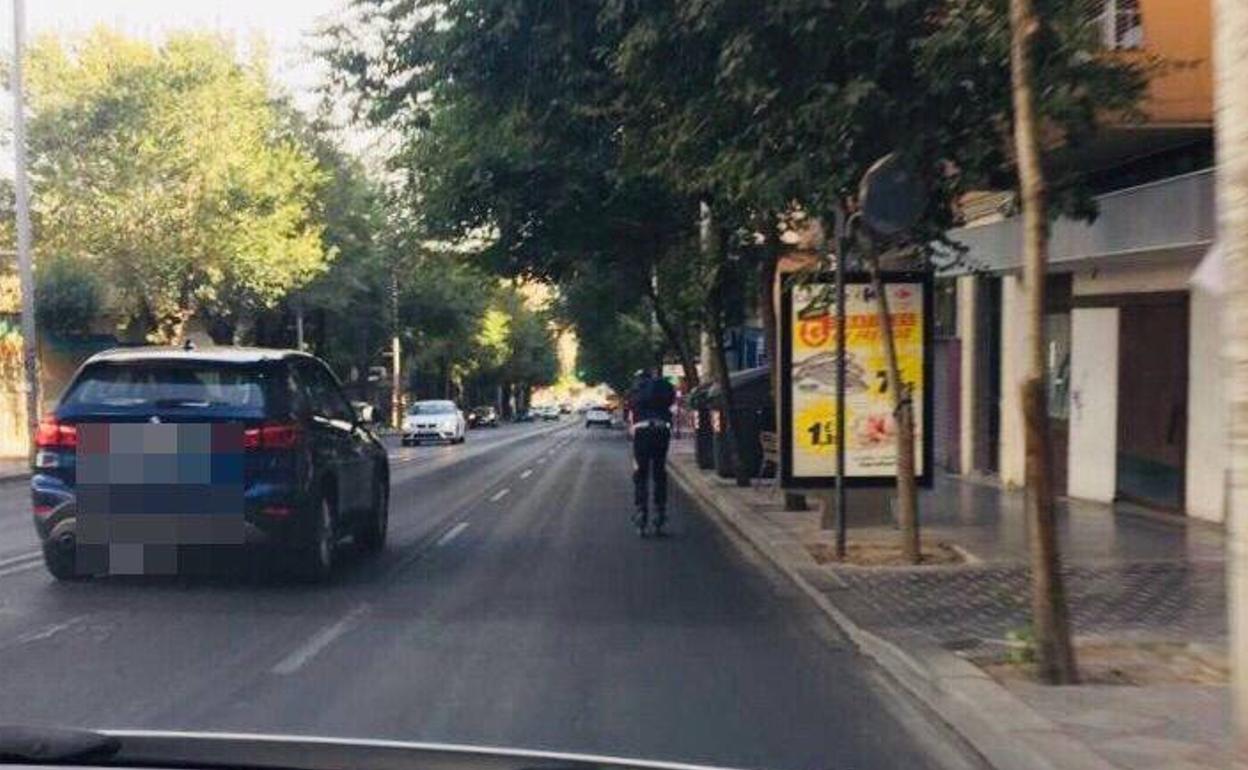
{"points": [[870, 427]]}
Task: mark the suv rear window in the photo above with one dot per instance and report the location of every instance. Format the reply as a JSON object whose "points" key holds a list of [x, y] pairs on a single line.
{"points": [[161, 385]]}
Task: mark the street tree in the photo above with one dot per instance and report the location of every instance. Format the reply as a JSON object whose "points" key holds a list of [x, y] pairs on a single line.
{"points": [[1055, 655], [1231, 84], [615, 338], [168, 169], [509, 140]]}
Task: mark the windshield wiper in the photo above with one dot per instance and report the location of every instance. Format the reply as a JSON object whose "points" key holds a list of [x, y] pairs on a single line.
{"points": [[44, 745]]}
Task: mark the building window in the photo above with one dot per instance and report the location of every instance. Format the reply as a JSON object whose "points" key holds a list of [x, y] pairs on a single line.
{"points": [[1122, 25]]}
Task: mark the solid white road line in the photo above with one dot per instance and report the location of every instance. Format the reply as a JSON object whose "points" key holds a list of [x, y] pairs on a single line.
{"points": [[14, 566], [40, 634], [499, 495], [524, 474], [18, 559], [318, 641], [453, 533]]}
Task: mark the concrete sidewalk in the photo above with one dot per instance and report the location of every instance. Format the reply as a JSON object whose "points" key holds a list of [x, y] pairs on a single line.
{"points": [[1147, 595], [13, 468]]}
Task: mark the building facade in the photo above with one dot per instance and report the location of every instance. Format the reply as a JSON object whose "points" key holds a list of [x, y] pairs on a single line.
{"points": [[1136, 402]]}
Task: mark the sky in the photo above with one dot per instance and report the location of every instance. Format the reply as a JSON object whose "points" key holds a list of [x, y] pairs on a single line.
{"points": [[286, 25]]}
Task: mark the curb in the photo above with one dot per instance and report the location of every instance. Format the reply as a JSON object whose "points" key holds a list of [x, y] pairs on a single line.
{"points": [[14, 478], [1007, 732]]}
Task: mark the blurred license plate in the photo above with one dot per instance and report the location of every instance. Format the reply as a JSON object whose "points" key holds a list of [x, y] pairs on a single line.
{"points": [[141, 484]]}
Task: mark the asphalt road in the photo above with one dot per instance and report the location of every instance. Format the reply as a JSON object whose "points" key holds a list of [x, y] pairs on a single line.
{"points": [[513, 607]]}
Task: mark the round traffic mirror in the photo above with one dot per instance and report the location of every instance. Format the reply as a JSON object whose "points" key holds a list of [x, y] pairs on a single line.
{"points": [[891, 196]]}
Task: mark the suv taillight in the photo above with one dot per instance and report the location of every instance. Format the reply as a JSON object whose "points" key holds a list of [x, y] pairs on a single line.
{"points": [[272, 435], [54, 434]]}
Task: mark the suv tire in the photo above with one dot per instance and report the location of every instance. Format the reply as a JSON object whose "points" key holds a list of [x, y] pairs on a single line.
{"points": [[371, 533], [314, 559], [60, 562]]}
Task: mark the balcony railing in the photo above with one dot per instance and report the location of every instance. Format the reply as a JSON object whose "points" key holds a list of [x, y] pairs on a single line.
{"points": [[1171, 215]]}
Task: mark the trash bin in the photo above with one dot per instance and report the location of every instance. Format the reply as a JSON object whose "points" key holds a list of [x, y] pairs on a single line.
{"points": [[704, 435], [754, 413]]}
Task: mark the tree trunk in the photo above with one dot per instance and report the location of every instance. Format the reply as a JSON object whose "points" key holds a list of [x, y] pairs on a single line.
{"points": [[396, 353], [173, 329], [1055, 656], [244, 328], [678, 342], [771, 325], [1231, 60], [903, 415], [766, 300], [299, 340], [732, 432], [732, 428]]}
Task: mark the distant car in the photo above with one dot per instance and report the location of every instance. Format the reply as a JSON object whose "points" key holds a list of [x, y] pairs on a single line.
{"points": [[524, 416], [597, 415], [483, 417], [547, 413], [287, 460], [565, 408], [434, 421]]}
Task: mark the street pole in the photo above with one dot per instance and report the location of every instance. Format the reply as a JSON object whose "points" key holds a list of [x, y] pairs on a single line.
{"points": [[1231, 97], [842, 253], [299, 342], [396, 353], [25, 264]]}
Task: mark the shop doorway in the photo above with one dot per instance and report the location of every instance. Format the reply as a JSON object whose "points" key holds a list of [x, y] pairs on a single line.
{"points": [[987, 433], [1152, 400]]}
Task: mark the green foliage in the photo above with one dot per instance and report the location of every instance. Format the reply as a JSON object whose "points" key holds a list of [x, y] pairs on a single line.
{"points": [[513, 140], [67, 298], [1022, 645], [171, 172], [575, 140], [615, 335], [769, 104], [443, 303], [529, 358]]}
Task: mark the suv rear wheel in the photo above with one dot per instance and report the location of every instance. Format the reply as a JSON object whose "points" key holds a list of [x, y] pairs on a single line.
{"points": [[371, 533], [315, 557], [59, 559]]}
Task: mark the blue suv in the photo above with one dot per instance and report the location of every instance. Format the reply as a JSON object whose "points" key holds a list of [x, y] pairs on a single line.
{"points": [[154, 451]]}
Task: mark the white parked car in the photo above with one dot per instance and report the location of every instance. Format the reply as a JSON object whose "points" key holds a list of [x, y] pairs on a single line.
{"points": [[434, 421], [597, 415]]}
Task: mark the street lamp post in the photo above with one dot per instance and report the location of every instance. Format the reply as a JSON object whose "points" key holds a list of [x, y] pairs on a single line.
{"points": [[25, 265]]}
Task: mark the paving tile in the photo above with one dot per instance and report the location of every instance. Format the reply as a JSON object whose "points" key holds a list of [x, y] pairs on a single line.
{"points": [[1128, 578], [1113, 720]]}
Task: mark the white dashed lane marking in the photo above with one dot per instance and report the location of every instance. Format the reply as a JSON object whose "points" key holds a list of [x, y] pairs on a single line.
{"points": [[499, 495], [453, 533], [318, 642]]}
